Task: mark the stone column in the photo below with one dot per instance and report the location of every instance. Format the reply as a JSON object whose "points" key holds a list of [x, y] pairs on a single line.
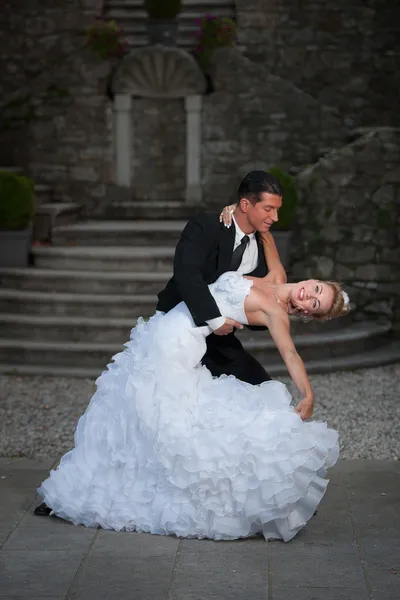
{"points": [[193, 105], [123, 139]]}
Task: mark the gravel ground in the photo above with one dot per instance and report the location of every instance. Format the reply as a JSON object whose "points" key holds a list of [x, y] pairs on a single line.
{"points": [[38, 415]]}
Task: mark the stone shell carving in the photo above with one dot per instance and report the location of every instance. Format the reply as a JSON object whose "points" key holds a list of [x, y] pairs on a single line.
{"points": [[159, 72]]}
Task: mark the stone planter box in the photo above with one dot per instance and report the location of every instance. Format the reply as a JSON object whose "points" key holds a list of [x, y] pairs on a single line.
{"points": [[15, 247], [283, 240]]}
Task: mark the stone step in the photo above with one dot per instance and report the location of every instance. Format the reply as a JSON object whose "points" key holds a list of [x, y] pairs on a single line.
{"points": [[137, 24], [387, 354], [131, 17], [189, 5], [119, 233], [135, 209], [61, 328], [345, 341], [135, 36], [86, 282], [69, 304], [17, 170], [113, 330], [56, 328], [97, 354], [192, 9], [58, 354], [141, 259]]}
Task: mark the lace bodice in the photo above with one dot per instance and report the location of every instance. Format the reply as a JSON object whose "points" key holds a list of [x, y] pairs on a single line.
{"points": [[230, 291]]}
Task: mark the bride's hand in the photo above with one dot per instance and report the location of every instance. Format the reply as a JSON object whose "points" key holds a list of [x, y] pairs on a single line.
{"points": [[305, 408], [226, 215]]}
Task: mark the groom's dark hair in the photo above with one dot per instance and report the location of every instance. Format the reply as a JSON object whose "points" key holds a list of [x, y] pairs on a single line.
{"points": [[257, 182]]}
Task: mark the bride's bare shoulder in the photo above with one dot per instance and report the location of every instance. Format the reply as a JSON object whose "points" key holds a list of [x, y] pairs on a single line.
{"points": [[262, 293], [262, 308], [261, 301]]}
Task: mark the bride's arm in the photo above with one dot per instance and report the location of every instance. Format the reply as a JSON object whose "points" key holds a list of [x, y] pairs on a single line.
{"points": [[276, 274], [280, 332]]}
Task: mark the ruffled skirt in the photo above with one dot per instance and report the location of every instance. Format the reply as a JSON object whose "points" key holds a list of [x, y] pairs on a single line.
{"points": [[165, 448]]}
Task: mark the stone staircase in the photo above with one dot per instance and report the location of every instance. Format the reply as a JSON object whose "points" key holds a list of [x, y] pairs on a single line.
{"points": [[131, 17], [174, 210], [72, 311]]}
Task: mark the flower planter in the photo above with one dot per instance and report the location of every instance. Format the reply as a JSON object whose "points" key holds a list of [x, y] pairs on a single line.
{"points": [[15, 247]]}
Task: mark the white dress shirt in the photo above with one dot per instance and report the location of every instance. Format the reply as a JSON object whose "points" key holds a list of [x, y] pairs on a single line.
{"points": [[247, 265]]}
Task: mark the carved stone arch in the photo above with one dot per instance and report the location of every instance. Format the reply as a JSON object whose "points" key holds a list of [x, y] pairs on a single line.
{"points": [[159, 72]]}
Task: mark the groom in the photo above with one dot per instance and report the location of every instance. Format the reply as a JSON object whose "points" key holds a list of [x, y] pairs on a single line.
{"points": [[207, 249]]}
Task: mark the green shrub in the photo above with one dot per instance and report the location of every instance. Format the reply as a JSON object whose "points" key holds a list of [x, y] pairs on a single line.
{"points": [[163, 9], [289, 198], [16, 201], [104, 39]]}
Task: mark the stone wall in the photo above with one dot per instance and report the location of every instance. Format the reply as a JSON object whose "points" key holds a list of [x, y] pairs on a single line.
{"points": [[252, 119], [345, 54], [257, 120], [58, 125], [316, 71], [348, 222]]}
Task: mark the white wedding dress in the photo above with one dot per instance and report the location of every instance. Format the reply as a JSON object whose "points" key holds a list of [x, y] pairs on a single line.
{"points": [[166, 448]]}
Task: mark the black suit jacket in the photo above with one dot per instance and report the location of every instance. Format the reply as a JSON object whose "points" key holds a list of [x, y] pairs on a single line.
{"points": [[203, 253]]}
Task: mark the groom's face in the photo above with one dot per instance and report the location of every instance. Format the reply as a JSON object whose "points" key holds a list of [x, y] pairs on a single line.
{"points": [[264, 213]]}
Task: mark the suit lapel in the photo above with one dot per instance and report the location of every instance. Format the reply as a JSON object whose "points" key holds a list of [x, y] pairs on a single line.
{"points": [[261, 257], [225, 248]]}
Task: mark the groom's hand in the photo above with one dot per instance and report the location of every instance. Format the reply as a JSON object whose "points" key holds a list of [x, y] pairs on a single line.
{"points": [[228, 327]]}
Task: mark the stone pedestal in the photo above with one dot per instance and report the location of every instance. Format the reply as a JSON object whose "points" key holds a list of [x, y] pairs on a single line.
{"points": [[123, 139], [193, 105]]}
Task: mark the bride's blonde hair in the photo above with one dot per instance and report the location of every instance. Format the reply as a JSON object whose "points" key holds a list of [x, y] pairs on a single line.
{"points": [[340, 305]]}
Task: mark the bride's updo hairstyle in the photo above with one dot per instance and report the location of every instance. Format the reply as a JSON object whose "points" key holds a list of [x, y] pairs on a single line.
{"points": [[340, 306]]}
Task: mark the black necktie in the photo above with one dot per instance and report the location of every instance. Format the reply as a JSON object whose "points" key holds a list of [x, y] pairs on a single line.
{"points": [[238, 253]]}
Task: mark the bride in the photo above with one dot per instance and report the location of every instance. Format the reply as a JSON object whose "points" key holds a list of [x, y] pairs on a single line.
{"points": [[166, 448]]}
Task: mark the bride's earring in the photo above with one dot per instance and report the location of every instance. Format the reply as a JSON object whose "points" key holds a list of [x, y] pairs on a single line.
{"points": [[305, 317]]}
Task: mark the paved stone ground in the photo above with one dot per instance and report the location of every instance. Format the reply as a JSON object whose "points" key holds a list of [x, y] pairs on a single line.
{"points": [[349, 551]]}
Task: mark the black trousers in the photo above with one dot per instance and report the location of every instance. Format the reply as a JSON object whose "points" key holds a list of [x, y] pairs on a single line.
{"points": [[226, 356]]}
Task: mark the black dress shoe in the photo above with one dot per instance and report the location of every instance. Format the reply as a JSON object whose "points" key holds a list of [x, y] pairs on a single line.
{"points": [[42, 510]]}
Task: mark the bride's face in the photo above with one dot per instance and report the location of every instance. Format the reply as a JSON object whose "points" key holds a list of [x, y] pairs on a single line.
{"points": [[311, 297]]}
